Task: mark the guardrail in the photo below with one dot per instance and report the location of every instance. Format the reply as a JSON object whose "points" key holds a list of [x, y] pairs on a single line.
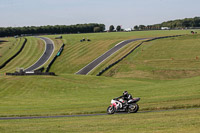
{"points": [[111, 65], [11, 58], [55, 57]]}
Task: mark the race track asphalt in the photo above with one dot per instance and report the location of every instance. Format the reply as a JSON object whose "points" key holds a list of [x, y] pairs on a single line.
{"points": [[84, 115], [99, 60], [46, 55]]}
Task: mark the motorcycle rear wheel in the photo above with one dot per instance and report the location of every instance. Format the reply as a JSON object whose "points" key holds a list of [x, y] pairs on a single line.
{"points": [[134, 108], [110, 110]]}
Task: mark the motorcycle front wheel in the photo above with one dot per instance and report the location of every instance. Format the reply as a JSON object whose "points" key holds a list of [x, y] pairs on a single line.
{"points": [[133, 108], [110, 110]]}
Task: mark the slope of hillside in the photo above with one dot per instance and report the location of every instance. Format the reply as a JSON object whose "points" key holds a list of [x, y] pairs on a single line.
{"points": [[77, 54], [170, 58], [30, 54], [8, 47], [74, 94], [68, 94]]}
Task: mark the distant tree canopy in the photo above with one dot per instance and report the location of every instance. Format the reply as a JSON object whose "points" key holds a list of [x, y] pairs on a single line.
{"points": [[111, 28], [172, 24], [136, 27], [57, 29], [182, 23], [118, 28]]}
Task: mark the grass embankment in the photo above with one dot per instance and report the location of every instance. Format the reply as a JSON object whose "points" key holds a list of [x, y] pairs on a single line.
{"points": [[78, 54], [182, 121], [57, 44], [170, 58], [75, 94], [72, 94], [32, 51], [115, 57], [8, 47]]}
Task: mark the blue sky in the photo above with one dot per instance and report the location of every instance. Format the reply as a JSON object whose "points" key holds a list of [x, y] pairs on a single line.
{"points": [[127, 13]]}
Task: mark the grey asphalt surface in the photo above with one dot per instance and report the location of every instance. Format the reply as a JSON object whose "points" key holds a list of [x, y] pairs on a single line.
{"points": [[96, 62], [46, 55], [84, 115]]}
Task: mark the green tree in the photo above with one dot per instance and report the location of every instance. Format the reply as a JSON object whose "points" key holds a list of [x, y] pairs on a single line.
{"points": [[142, 27], [111, 28], [136, 27], [118, 28]]}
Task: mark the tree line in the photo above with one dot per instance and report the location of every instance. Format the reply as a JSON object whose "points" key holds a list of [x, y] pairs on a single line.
{"points": [[57, 29], [172, 24]]}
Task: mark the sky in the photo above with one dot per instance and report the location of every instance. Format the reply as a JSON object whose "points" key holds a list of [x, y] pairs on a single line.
{"points": [[127, 13]]}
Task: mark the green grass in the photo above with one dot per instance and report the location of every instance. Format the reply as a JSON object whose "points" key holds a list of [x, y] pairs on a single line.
{"points": [[116, 56], [57, 44], [170, 58], [67, 93], [72, 94], [32, 51], [181, 121], [78, 54], [9, 48]]}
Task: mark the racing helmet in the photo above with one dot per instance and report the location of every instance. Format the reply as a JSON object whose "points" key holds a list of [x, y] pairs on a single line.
{"points": [[125, 93]]}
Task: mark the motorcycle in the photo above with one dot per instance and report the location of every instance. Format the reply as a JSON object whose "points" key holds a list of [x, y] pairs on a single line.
{"points": [[119, 105]]}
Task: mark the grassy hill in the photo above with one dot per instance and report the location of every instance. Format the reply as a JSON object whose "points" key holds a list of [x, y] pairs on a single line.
{"points": [[170, 58], [144, 74], [8, 47], [45, 95], [72, 94], [30, 54], [77, 54]]}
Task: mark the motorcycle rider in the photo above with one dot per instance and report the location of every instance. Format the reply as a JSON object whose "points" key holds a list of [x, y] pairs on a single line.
{"points": [[126, 97]]}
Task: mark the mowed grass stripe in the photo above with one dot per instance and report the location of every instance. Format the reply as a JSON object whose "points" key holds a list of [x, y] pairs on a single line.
{"points": [[77, 54], [115, 57], [29, 55], [97, 48], [68, 94], [10, 64], [8, 49], [87, 57], [18, 62], [82, 54], [166, 58]]}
